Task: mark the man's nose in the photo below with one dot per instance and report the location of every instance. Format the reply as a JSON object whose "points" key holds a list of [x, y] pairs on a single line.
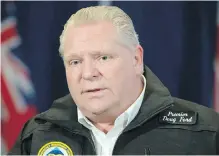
{"points": [[89, 70]]}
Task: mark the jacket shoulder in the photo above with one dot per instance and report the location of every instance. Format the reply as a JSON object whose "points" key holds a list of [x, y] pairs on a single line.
{"points": [[29, 127], [34, 123]]}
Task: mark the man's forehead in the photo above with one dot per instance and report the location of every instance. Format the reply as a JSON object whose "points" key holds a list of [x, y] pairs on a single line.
{"points": [[81, 36], [91, 29], [91, 38], [112, 49]]}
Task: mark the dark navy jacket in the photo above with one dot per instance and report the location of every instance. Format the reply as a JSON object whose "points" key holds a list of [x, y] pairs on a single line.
{"points": [[164, 125]]}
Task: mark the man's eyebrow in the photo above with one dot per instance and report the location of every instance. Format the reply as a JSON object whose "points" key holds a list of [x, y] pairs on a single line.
{"points": [[91, 53], [94, 53], [72, 56]]}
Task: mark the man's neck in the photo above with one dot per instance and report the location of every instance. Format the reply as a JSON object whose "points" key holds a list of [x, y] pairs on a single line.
{"points": [[104, 127]]}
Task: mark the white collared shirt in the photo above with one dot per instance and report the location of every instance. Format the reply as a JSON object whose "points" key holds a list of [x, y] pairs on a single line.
{"points": [[105, 142]]}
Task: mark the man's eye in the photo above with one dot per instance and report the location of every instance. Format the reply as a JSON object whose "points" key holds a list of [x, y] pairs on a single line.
{"points": [[104, 58], [74, 62]]}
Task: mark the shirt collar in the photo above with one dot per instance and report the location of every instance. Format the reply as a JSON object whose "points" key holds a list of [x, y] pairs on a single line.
{"points": [[125, 118]]}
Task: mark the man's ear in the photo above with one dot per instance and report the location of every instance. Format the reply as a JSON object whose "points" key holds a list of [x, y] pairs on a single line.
{"points": [[138, 60]]}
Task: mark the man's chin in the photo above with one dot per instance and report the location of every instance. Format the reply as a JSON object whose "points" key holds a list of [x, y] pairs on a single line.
{"points": [[98, 112]]}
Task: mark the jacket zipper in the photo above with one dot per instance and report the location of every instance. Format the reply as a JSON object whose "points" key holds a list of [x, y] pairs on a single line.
{"points": [[152, 115]]}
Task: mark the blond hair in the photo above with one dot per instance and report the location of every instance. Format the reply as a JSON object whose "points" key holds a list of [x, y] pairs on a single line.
{"points": [[118, 17]]}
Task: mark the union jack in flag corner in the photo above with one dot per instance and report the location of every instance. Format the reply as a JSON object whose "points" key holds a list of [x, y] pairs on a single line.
{"points": [[17, 91]]}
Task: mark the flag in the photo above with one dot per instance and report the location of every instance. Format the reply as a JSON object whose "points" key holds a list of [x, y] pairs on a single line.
{"points": [[17, 91], [216, 90]]}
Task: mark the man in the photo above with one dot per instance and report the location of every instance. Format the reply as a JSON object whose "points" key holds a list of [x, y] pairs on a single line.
{"points": [[116, 104]]}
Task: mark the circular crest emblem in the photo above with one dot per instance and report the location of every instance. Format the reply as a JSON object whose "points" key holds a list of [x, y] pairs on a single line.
{"points": [[55, 149]]}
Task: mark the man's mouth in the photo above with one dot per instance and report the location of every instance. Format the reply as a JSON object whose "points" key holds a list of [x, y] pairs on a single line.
{"points": [[93, 90]]}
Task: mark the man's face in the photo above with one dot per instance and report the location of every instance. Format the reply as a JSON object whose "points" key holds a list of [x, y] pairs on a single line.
{"points": [[101, 72]]}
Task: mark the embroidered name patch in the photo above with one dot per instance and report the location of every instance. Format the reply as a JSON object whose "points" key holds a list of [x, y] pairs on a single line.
{"points": [[178, 117]]}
